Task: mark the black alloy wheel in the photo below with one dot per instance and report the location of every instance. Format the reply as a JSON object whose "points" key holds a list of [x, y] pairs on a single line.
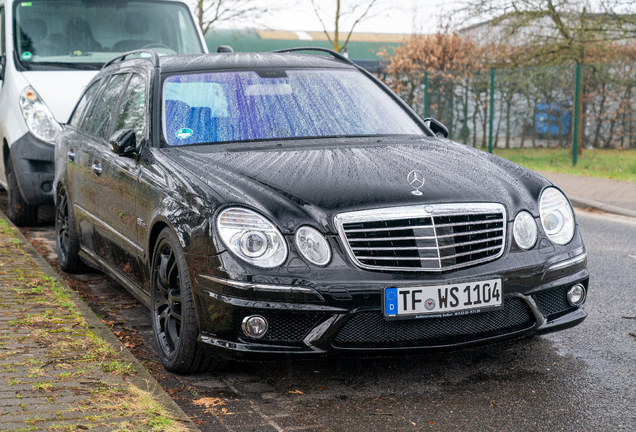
{"points": [[20, 213], [174, 320], [66, 238]]}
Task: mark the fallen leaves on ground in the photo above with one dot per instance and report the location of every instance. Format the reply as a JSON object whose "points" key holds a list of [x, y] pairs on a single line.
{"points": [[211, 402]]}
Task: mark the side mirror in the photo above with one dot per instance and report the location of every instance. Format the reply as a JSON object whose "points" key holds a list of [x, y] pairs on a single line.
{"points": [[437, 127], [2, 63], [123, 142], [224, 49]]}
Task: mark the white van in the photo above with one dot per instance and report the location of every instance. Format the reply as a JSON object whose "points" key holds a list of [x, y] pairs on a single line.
{"points": [[50, 51]]}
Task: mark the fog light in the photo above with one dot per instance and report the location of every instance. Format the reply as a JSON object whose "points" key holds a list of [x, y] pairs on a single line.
{"points": [[255, 326], [576, 295]]}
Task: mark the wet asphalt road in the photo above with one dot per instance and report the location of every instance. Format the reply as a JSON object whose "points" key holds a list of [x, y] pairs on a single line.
{"points": [[581, 379]]}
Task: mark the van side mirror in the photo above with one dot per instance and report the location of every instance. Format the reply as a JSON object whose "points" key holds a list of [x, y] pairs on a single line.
{"points": [[123, 142], [437, 127], [224, 49], [3, 61]]}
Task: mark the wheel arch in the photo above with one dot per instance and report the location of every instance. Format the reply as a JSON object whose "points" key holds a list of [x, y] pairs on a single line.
{"points": [[156, 228], [5, 153]]}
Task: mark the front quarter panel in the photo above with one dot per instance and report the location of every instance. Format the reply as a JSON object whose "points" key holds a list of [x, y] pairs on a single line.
{"points": [[168, 196]]}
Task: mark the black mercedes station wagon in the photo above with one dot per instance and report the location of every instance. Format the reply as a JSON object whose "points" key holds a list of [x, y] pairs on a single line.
{"points": [[290, 204]]}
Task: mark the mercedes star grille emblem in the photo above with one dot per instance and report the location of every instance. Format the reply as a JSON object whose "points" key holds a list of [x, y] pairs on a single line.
{"points": [[416, 180]]}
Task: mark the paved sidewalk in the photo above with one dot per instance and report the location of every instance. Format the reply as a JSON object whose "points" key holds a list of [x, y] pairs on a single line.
{"points": [[611, 196], [60, 367]]}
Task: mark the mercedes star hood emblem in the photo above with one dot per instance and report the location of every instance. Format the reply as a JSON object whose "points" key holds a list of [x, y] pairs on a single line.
{"points": [[416, 180]]}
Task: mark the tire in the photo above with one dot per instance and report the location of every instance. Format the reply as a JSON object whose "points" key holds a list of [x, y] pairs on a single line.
{"points": [[174, 321], [20, 213], [66, 237]]}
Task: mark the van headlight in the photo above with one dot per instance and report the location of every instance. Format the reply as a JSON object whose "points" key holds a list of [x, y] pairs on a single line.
{"points": [[38, 117], [557, 217], [251, 237]]}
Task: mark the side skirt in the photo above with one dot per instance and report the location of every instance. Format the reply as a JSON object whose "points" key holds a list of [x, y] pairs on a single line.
{"points": [[97, 262]]}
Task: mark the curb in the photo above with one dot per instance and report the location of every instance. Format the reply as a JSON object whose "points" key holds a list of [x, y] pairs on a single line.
{"points": [[142, 378], [607, 208]]}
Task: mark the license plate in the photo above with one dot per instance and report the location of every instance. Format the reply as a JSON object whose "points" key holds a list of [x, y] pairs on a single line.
{"points": [[443, 300]]}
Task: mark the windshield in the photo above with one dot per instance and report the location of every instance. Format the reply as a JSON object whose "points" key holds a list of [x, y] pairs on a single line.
{"points": [[244, 106], [81, 33]]}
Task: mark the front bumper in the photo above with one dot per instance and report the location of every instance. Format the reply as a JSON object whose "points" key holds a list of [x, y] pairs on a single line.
{"points": [[312, 321], [34, 169]]}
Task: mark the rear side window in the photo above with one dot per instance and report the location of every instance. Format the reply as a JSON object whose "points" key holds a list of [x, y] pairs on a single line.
{"points": [[77, 115], [104, 106], [132, 110]]}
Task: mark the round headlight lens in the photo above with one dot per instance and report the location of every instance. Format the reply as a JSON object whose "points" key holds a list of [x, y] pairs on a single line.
{"points": [[557, 217], [251, 237], [313, 246], [525, 230], [253, 244]]}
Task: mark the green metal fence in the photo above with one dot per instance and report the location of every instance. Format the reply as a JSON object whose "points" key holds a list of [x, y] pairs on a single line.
{"points": [[531, 107]]}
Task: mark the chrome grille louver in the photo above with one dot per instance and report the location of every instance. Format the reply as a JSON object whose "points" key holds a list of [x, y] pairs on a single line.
{"points": [[424, 238]]}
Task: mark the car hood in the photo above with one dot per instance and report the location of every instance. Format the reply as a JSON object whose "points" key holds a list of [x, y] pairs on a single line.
{"points": [[59, 90], [346, 175]]}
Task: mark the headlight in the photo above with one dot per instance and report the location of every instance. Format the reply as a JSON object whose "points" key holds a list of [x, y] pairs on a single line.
{"points": [[556, 216], [38, 117], [313, 246], [525, 230], [251, 237]]}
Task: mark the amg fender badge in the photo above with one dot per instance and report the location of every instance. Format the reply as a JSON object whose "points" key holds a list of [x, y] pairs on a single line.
{"points": [[416, 180]]}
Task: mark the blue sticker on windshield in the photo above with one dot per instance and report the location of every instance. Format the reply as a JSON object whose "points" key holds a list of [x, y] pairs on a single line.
{"points": [[26, 56], [184, 133]]}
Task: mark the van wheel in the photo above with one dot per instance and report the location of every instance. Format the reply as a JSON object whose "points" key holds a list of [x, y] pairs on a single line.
{"points": [[174, 320], [20, 213], [66, 239]]}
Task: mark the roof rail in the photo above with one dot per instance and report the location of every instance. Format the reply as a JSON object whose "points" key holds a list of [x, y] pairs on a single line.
{"points": [[335, 54], [122, 57]]}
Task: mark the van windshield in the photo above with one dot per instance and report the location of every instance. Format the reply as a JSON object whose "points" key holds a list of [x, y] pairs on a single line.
{"points": [[88, 33], [206, 108]]}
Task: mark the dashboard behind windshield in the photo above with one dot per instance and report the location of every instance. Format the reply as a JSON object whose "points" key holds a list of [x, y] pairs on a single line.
{"points": [[75, 32]]}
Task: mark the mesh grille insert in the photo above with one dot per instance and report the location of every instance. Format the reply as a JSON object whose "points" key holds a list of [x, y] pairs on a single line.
{"points": [[553, 301], [284, 327], [370, 328]]}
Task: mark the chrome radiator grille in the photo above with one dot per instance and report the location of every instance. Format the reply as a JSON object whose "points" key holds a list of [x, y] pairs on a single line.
{"points": [[424, 238]]}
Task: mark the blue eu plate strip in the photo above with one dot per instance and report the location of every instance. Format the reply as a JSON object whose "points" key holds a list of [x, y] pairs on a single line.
{"points": [[390, 301]]}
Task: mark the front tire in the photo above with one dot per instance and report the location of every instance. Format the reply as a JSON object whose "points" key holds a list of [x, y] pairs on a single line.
{"points": [[66, 237], [20, 213], [174, 321]]}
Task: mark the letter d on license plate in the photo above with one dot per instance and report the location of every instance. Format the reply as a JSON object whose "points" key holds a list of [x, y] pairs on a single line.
{"points": [[443, 300]]}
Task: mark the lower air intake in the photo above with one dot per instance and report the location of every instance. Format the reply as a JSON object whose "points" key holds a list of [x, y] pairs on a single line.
{"points": [[370, 329]]}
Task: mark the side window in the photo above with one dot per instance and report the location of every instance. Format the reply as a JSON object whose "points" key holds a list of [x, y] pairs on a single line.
{"points": [[3, 44], [104, 106], [132, 111], [77, 115]]}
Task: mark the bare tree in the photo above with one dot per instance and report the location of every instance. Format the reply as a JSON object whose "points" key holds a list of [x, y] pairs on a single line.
{"points": [[213, 12], [356, 10], [555, 31]]}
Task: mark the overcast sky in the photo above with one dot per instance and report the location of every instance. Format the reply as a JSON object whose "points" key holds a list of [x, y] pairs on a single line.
{"points": [[388, 16]]}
